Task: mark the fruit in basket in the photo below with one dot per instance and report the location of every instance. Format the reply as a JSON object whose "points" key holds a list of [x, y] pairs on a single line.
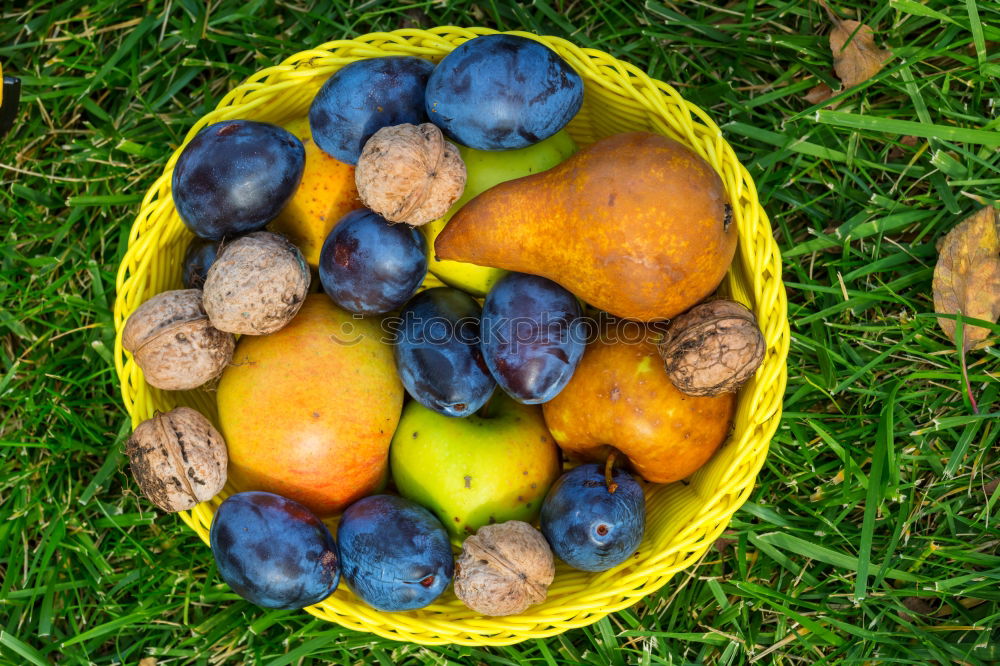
{"points": [[198, 258], [395, 554], [172, 340], [533, 336], [500, 92], [273, 552], [484, 169], [325, 194], [256, 285], [234, 176], [178, 459], [308, 412], [409, 173], [593, 524], [713, 348], [636, 225], [488, 467], [504, 569], [365, 96], [371, 266], [620, 396], [437, 352]]}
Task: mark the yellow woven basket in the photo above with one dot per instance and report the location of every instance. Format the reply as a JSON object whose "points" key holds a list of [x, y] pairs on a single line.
{"points": [[684, 519]]}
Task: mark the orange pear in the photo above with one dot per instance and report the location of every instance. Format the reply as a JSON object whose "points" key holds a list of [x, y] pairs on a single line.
{"points": [[636, 224], [621, 397]]}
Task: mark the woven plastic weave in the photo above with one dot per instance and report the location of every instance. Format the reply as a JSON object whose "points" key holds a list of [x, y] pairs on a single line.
{"points": [[683, 519]]}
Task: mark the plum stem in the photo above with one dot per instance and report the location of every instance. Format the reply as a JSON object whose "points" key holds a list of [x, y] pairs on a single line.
{"points": [[608, 469]]}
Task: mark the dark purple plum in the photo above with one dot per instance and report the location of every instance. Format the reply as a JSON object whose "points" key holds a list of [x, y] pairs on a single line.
{"points": [[198, 258], [500, 92], [370, 266], [395, 553], [588, 526], [532, 336], [273, 551], [363, 97], [437, 352], [235, 176]]}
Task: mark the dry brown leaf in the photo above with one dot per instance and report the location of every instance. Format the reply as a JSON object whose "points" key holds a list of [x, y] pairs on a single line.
{"points": [[967, 275], [819, 93], [855, 56], [723, 543], [919, 606], [991, 487], [896, 152]]}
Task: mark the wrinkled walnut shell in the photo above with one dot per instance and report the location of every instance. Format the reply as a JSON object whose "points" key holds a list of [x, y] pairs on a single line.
{"points": [[713, 348], [256, 285], [172, 340], [504, 569], [178, 459], [409, 173]]}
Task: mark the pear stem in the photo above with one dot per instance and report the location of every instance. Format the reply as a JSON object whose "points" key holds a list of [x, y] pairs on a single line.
{"points": [[608, 469]]}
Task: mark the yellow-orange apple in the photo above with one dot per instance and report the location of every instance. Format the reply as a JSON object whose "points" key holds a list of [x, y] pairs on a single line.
{"points": [[308, 412]]}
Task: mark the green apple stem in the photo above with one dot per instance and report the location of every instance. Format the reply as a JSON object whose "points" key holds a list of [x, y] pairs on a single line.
{"points": [[608, 469]]}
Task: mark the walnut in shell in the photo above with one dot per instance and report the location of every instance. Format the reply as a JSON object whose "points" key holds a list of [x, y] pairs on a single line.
{"points": [[178, 459], [172, 340], [409, 173], [256, 285], [504, 569], [713, 348]]}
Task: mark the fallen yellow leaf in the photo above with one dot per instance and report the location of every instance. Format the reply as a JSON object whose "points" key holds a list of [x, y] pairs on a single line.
{"points": [[967, 275]]}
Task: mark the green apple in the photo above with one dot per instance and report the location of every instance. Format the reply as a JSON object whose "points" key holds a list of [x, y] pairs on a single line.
{"points": [[484, 169], [476, 470]]}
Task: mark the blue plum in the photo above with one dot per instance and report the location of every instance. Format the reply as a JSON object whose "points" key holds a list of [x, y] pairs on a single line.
{"points": [[438, 355], [588, 526], [363, 97], [235, 176], [273, 551], [501, 92], [198, 258], [532, 336], [371, 266], [396, 555]]}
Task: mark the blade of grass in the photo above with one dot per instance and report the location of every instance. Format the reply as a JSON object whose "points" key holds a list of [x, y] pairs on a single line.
{"points": [[816, 552], [884, 444], [909, 127], [27, 652]]}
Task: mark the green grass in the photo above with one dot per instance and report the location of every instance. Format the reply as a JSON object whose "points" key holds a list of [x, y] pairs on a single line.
{"points": [[873, 534]]}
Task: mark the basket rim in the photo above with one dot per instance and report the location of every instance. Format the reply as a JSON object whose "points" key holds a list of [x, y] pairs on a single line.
{"points": [[500, 631]]}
